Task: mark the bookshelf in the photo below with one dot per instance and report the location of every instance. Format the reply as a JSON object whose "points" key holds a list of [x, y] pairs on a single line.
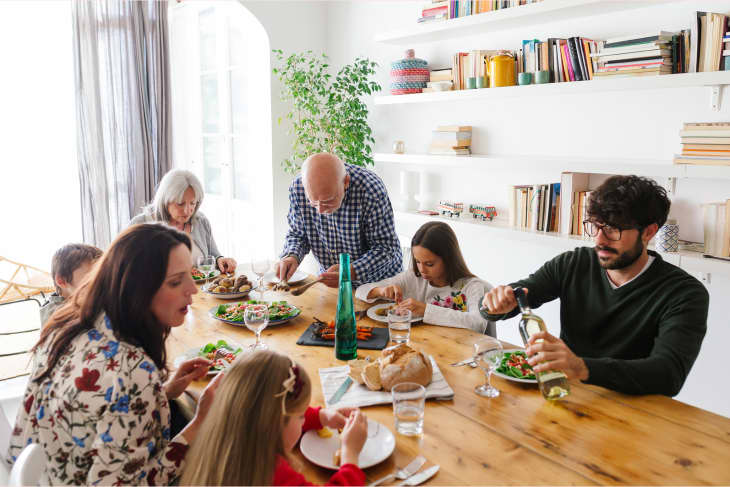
{"points": [[534, 14], [588, 165], [687, 260], [712, 80]]}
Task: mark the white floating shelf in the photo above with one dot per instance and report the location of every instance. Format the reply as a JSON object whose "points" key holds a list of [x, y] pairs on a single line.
{"points": [[692, 262], [682, 80], [592, 165], [533, 14]]}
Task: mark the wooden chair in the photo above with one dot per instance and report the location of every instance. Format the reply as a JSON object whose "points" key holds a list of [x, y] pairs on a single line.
{"points": [[20, 282]]}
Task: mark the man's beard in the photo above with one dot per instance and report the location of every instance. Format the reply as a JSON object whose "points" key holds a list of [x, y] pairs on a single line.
{"points": [[623, 260]]}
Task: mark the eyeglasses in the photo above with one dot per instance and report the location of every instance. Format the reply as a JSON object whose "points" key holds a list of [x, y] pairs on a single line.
{"points": [[591, 229]]}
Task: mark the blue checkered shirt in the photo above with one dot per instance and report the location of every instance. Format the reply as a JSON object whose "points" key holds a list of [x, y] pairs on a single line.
{"points": [[363, 227]]}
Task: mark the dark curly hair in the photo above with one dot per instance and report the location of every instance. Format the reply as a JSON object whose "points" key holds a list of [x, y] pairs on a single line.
{"points": [[629, 202]]}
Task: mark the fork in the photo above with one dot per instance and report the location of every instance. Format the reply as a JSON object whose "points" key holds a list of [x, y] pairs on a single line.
{"points": [[298, 291], [403, 473], [471, 362]]}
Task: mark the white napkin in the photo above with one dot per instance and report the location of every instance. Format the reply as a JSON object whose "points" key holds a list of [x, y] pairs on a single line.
{"points": [[360, 396]]}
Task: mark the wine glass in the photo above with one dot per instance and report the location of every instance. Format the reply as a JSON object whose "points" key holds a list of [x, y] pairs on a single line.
{"points": [[487, 355], [260, 267], [256, 317], [206, 265]]}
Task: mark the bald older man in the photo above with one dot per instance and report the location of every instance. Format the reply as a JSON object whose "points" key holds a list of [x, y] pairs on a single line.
{"points": [[336, 207]]}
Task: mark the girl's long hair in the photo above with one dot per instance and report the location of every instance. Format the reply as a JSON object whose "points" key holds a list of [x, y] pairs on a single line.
{"points": [[122, 285], [245, 423], [439, 238]]}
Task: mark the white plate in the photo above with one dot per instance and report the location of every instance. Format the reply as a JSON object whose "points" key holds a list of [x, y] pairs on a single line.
{"points": [[193, 353], [206, 289], [298, 276], [384, 319], [514, 379], [321, 451]]}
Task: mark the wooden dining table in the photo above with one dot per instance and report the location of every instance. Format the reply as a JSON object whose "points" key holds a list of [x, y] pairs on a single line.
{"points": [[594, 436]]}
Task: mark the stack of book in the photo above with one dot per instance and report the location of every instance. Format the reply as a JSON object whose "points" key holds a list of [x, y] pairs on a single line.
{"points": [[435, 11], [451, 140], [717, 229], [640, 55], [708, 37], [440, 80], [705, 143], [536, 207]]}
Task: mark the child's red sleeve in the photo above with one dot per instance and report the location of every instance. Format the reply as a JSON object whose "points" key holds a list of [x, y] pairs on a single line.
{"points": [[311, 420]]}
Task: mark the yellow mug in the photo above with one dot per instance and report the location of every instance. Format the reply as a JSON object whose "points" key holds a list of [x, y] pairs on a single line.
{"points": [[501, 69]]}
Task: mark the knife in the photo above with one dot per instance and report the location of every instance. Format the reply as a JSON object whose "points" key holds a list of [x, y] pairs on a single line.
{"points": [[421, 477], [341, 390]]}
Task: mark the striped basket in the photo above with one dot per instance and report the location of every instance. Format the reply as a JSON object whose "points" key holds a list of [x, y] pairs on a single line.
{"points": [[408, 75]]}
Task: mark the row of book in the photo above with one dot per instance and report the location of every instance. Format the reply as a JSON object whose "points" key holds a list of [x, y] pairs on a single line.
{"points": [[644, 54], [710, 33], [439, 10], [566, 59], [535, 207], [717, 229], [451, 140], [705, 143]]}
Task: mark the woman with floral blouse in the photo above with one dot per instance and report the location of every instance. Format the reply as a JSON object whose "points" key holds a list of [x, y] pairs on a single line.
{"points": [[438, 286], [97, 398]]}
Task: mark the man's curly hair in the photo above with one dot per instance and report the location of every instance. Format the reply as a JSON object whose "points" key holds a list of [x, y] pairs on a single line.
{"points": [[629, 202]]}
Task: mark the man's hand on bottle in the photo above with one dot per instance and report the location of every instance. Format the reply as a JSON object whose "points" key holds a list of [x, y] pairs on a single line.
{"points": [[286, 267], [500, 300], [553, 354]]}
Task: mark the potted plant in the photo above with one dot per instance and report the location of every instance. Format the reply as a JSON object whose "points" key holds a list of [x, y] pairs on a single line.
{"points": [[327, 114]]}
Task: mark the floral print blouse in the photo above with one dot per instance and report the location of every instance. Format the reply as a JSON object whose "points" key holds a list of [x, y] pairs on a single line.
{"points": [[101, 415]]}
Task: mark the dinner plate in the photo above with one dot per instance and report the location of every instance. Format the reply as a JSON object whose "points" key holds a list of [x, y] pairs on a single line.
{"points": [[193, 353], [298, 276], [514, 379], [215, 272], [213, 310], [384, 319], [206, 289], [321, 451]]}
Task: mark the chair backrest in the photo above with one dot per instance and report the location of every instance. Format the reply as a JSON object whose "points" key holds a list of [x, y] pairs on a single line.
{"points": [[30, 467]]}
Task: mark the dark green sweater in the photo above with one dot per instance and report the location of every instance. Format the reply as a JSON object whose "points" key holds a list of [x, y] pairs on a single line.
{"points": [[641, 338]]}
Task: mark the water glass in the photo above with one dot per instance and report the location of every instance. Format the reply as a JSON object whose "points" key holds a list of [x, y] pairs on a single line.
{"points": [[256, 318], [206, 264], [260, 267], [399, 325], [488, 355], [409, 402]]}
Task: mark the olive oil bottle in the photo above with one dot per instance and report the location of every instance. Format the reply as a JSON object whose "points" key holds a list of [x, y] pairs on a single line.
{"points": [[553, 383]]}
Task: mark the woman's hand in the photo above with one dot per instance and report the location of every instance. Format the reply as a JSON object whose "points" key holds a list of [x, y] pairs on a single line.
{"points": [[417, 308], [353, 437], [188, 371], [335, 418], [227, 265], [392, 292]]}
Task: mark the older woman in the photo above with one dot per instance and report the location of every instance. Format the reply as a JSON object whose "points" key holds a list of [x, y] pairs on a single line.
{"points": [[176, 203], [97, 398]]}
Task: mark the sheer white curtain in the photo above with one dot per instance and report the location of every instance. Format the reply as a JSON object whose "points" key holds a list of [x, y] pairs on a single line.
{"points": [[122, 107]]}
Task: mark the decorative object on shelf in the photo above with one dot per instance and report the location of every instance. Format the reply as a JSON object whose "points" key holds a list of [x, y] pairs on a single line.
{"points": [[482, 82], [717, 229], [502, 69], [451, 140], [408, 75], [399, 147], [408, 183], [426, 196], [471, 83], [438, 86], [329, 106], [524, 78], [483, 212], [450, 208], [542, 77], [667, 238]]}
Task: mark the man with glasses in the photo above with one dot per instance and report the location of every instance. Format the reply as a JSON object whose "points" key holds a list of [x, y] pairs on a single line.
{"points": [[629, 321], [334, 208]]}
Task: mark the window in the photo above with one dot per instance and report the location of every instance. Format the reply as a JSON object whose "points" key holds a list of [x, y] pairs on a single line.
{"points": [[222, 119]]}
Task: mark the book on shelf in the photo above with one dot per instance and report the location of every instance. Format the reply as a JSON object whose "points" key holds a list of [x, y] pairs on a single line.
{"points": [[717, 228], [703, 160], [571, 184], [705, 143], [535, 207], [451, 140], [441, 75], [710, 30], [464, 8], [454, 128], [706, 140], [445, 151]]}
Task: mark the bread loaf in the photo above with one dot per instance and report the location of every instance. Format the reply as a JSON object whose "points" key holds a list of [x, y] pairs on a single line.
{"points": [[404, 364]]}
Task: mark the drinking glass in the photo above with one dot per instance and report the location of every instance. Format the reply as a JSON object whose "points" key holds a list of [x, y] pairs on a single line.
{"points": [[409, 402], [487, 355], [206, 264], [260, 267], [256, 317], [399, 325]]}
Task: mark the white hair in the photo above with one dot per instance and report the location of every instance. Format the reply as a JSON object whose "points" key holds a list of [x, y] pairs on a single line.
{"points": [[171, 189]]}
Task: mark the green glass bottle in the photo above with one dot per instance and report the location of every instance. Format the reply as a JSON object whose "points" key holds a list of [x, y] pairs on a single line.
{"points": [[345, 326]]}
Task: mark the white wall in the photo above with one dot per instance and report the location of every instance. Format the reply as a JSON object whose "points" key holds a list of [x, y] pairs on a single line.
{"points": [[39, 201], [625, 125]]}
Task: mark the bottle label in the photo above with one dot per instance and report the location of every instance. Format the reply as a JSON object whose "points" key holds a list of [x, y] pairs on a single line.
{"points": [[532, 327]]}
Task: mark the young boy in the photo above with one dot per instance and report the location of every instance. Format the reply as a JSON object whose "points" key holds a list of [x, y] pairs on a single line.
{"points": [[70, 264]]}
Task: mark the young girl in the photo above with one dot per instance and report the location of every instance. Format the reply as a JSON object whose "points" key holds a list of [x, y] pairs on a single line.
{"points": [[260, 412], [438, 286]]}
